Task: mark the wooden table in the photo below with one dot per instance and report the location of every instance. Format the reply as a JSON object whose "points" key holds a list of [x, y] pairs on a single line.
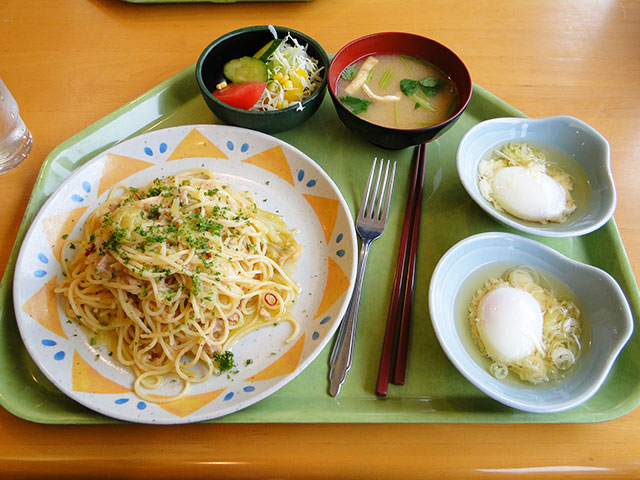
{"points": [[69, 63]]}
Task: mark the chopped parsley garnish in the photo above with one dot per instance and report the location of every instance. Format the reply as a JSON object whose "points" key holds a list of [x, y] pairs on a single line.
{"points": [[224, 360], [205, 224], [195, 282], [107, 219], [115, 239], [154, 212]]}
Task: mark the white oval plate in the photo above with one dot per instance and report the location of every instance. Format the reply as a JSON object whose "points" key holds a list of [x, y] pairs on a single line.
{"points": [[282, 180]]}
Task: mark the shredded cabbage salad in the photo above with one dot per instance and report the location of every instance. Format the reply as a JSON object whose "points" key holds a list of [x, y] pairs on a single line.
{"points": [[293, 76]]}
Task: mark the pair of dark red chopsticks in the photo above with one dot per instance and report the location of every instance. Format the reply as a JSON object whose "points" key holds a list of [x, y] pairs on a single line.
{"points": [[399, 318]]}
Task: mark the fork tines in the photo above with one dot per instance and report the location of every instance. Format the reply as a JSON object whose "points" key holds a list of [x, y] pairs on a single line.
{"points": [[378, 207]]}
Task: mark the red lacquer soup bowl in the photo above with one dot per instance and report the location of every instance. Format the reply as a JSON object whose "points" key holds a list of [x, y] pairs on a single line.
{"points": [[407, 44]]}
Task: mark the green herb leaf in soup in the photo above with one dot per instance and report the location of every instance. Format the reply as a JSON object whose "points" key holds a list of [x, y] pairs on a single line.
{"points": [[431, 86], [408, 86], [349, 73], [415, 91], [355, 104]]}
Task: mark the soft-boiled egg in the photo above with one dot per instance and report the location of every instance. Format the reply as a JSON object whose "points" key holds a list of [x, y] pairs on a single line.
{"points": [[529, 194], [509, 322]]}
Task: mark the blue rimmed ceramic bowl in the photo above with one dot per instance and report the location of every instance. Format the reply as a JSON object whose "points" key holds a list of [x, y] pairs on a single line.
{"points": [[586, 148], [608, 323]]}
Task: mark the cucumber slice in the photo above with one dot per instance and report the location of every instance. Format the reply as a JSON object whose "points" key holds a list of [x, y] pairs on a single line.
{"points": [[265, 52], [245, 69]]}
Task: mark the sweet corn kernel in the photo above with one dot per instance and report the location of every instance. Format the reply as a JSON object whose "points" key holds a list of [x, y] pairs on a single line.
{"points": [[221, 85], [288, 84], [293, 95], [296, 82], [278, 77]]}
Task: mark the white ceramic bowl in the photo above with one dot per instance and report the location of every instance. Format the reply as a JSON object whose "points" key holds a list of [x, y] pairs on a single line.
{"points": [[588, 148], [468, 264]]}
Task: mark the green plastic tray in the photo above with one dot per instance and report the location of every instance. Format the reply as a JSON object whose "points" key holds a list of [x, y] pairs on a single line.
{"points": [[435, 391]]}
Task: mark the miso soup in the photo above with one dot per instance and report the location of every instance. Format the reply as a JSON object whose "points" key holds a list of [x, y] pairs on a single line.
{"points": [[397, 91]]}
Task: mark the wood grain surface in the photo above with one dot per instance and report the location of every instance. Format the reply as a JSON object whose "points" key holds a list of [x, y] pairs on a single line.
{"points": [[70, 62]]}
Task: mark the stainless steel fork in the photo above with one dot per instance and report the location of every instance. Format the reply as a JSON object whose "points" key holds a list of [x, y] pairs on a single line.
{"points": [[369, 225]]}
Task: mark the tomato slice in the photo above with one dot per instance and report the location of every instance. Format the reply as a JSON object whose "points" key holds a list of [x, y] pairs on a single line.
{"points": [[242, 94]]}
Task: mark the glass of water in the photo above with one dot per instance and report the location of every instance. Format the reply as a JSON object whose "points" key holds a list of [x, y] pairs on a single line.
{"points": [[15, 138]]}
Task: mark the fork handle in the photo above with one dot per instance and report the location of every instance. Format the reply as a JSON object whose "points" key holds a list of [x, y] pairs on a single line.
{"points": [[342, 354]]}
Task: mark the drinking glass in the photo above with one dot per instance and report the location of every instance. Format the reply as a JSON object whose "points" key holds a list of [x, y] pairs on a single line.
{"points": [[15, 138]]}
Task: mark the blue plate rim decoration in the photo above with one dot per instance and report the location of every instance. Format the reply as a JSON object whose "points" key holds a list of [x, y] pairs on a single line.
{"points": [[35, 265]]}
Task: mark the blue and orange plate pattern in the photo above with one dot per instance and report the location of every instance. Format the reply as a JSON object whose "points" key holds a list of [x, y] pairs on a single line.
{"points": [[281, 178]]}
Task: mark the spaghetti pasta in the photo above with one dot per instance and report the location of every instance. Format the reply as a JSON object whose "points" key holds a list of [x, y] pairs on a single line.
{"points": [[176, 272]]}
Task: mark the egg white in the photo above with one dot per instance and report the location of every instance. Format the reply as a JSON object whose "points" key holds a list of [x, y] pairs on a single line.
{"points": [[519, 180], [510, 324], [529, 194]]}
